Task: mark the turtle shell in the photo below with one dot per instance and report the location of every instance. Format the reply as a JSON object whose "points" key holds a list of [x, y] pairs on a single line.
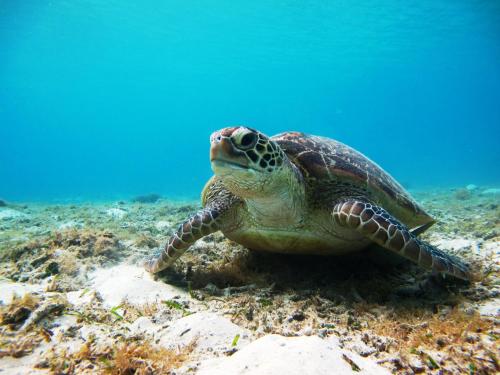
{"points": [[333, 170]]}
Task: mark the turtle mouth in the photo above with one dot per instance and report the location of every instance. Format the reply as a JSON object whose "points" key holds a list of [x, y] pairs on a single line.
{"points": [[228, 164]]}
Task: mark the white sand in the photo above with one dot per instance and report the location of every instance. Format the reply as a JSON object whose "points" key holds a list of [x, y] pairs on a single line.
{"points": [[274, 354], [131, 283]]}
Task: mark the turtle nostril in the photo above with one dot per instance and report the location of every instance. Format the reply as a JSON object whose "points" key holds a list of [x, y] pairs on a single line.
{"points": [[248, 140]]}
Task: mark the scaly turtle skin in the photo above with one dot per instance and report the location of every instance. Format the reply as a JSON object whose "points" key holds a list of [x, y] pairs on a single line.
{"points": [[298, 193]]}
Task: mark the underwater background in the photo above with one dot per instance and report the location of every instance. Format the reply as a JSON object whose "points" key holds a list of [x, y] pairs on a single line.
{"points": [[108, 99]]}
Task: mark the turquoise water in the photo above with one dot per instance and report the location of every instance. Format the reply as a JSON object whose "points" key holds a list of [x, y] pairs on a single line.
{"points": [[104, 99]]}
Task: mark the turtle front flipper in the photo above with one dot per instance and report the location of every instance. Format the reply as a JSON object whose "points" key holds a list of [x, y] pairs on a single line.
{"points": [[220, 212], [202, 223], [385, 230]]}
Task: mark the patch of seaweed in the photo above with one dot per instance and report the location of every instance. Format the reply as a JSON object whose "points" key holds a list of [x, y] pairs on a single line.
{"points": [[19, 346], [20, 331], [85, 242], [143, 358], [225, 272], [147, 241], [462, 194], [467, 339], [13, 253], [62, 253], [15, 313], [121, 359]]}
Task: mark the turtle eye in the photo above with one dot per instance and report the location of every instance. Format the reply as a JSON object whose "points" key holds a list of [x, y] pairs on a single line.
{"points": [[248, 140]]}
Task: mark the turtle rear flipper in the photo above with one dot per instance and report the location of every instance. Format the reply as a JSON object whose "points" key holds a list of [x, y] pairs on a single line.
{"points": [[385, 230]]}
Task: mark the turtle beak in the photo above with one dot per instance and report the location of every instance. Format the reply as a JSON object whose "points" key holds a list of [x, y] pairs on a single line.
{"points": [[223, 154]]}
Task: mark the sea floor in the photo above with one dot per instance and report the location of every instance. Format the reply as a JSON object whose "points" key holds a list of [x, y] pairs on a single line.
{"points": [[75, 298]]}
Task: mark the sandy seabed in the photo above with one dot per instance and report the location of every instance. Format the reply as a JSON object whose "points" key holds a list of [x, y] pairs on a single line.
{"points": [[75, 298]]}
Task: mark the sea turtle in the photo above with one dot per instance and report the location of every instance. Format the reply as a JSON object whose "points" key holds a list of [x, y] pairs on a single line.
{"points": [[299, 193]]}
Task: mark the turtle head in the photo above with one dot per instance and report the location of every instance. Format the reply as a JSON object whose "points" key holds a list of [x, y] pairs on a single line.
{"points": [[248, 162]]}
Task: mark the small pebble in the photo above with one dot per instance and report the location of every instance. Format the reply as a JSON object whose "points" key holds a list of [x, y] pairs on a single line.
{"points": [[297, 315]]}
